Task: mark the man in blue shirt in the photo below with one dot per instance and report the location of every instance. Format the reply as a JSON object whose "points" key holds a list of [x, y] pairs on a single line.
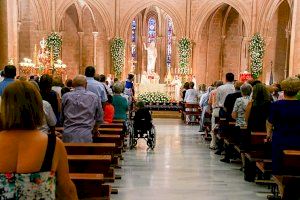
{"points": [[93, 85], [9, 74]]}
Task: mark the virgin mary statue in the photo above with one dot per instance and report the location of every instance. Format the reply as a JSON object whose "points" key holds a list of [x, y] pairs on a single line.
{"points": [[151, 56]]}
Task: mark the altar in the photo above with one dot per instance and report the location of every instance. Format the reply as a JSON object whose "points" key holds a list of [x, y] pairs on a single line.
{"points": [[154, 87], [167, 89]]}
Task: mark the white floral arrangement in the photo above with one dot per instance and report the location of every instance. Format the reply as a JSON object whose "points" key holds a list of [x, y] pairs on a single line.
{"points": [[54, 41], [257, 51], [117, 50], [185, 48], [153, 97]]}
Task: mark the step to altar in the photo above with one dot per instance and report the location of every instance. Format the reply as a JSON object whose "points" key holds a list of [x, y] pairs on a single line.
{"points": [[166, 114]]}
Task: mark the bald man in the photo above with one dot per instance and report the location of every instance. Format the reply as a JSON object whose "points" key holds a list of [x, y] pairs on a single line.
{"points": [[81, 112]]}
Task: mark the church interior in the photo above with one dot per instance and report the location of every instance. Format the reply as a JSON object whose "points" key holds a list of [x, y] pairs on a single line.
{"points": [[180, 60]]}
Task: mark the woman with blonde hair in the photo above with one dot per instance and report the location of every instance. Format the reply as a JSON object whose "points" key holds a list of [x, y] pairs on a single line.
{"points": [[33, 164], [283, 125]]}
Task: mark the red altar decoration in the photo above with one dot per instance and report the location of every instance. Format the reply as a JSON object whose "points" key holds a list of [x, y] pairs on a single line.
{"points": [[245, 76]]}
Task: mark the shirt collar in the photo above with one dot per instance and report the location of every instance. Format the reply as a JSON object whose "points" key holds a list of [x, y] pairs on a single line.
{"points": [[79, 88], [90, 78]]}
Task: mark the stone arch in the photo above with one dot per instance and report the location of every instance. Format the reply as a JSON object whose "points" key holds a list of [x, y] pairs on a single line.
{"points": [[266, 17], [206, 11], [92, 4], [129, 16], [41, 12]]}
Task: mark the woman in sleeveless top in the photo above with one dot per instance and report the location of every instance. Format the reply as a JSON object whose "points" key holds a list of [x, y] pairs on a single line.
{"points": [[33, 165]]}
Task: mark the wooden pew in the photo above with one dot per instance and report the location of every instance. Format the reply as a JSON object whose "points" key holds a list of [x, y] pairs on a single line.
{"points": [[191, 113], [109, 130], [118, 121], [92, 164], [95, 149], [91, 186], [109, 138], [112, 125], [289, 182]]}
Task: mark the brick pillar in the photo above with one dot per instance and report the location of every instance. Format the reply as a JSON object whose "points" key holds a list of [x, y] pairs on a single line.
{"points": [[295, 40], [81, 68], [3, 33], [95, 37]]}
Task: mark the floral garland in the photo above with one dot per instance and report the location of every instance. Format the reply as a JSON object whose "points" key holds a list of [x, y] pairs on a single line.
{"points": [[117, 50], [185, 47], [54, 40], [153, 97], [257, 50]]}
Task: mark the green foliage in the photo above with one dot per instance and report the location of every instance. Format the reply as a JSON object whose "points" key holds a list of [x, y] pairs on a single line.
{"points": [[117, 50], [257, 51], [185, 48], [54, 40]]}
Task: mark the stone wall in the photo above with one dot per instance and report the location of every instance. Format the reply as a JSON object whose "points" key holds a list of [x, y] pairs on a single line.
{"points": [[212, 58]]}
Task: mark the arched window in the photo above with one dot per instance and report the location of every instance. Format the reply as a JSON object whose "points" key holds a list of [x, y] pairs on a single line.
{"points": [[133, 40], [169, 41], [151, 29]]}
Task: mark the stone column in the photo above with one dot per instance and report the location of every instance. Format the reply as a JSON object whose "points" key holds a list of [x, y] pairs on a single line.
{"points": [[158, 64], [288, 40], [174, 59], [221, 68], [295, 40], [95, 37], [80, 34], [144, 54], [53, 15]]}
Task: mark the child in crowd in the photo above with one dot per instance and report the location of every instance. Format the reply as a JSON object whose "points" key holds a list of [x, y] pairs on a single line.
{"points": [[109, 110]]}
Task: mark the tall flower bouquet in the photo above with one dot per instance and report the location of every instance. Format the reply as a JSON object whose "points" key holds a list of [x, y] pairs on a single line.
{"points": [[184, 47], [257, 51], [54, 41], [153, 97], [117, 50]]}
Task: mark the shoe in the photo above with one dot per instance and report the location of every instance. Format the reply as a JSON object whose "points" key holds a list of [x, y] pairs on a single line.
{"points": [[225, 160]]}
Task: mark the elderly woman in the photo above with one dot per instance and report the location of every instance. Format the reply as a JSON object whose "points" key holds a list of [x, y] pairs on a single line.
{"points": [[204, 107], [119, 102], [283, 125], [33, 165], [240, 105]]}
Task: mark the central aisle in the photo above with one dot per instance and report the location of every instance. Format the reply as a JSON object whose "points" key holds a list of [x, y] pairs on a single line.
{"points": [[181, 167]]}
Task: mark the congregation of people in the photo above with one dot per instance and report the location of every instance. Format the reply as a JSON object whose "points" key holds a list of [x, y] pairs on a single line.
{"points": [[38, 105], [80, 106], [252, 107]]}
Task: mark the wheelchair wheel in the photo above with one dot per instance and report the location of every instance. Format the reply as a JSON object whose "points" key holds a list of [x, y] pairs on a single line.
{"points": [[152, 138]]}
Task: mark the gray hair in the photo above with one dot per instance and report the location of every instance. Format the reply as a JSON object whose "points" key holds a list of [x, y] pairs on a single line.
{"points": [[118, 88], [79, 81], [246, 89]]}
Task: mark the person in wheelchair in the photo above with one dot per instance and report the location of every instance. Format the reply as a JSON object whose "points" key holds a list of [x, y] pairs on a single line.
{"points": [[142, 120]]}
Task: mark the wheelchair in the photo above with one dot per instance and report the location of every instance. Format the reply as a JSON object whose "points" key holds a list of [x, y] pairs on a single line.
{"points": [[141, 130]]}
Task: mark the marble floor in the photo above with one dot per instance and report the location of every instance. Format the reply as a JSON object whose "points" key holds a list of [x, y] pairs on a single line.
{"points": [[181, 167]]}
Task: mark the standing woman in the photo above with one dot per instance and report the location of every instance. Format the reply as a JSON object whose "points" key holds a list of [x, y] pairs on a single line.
{"points": [[33, 165], [283, 125], [129, 88]]}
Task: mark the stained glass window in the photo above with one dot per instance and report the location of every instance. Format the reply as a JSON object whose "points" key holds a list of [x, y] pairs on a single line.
{"points": [[133, 40], [151, 30], [169, 41]]}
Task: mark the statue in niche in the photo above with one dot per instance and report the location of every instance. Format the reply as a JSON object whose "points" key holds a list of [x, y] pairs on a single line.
{"points": [[151, 56]]}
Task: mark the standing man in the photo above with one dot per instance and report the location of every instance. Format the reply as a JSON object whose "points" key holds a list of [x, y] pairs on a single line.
{"points": [[9, 77], [81, 112], [93, 85]]}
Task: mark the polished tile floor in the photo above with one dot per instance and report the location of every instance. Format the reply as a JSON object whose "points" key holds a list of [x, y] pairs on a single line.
{"points": [[181, 167]]}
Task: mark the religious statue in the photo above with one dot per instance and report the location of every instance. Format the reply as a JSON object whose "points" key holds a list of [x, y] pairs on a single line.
{"points": [[195, 82], [151, 56], [144, 78], [177, 83]]}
